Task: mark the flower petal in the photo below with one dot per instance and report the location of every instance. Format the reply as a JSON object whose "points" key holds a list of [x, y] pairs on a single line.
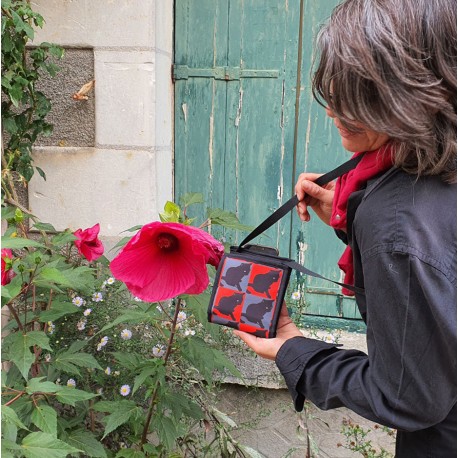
{"points": [[153, 274]]}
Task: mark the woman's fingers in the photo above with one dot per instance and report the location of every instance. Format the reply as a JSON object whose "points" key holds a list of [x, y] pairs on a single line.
{"points": [[304, 196]]}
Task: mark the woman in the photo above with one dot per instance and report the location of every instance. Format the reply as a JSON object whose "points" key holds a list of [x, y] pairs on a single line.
{"points": [[387, 77]]}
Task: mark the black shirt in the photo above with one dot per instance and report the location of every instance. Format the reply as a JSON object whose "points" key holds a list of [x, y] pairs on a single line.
{"points": [[402, 230]]}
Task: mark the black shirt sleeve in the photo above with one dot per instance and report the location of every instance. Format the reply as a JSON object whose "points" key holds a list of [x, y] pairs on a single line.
{"points": [[407, 380]]}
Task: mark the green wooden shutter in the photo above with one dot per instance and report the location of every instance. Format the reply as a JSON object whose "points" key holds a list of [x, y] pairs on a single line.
{"points": [[246, 124]]}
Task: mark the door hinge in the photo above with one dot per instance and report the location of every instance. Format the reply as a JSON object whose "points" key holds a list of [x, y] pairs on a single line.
{"points": [[183, 72]]}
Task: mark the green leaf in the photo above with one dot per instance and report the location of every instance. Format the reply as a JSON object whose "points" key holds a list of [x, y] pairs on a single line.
{"points": [[113, 406], [40, 339], [156, 371], [36, 385], [19, 350], [21, 25], [226, 219], [78, 359], [130, 361], [122, 242], [134, 228], [77, 346], [167, 430], [180, 405], [18, 242], [44, 227], [205, 358], [40, 445], [191, 198], [118, 418], [9, 432], [12, 289], [86, 441], [68, 395], [58, 310], [41, 173], [8, 445], [8, 212], [132, 316], [79, 278], [63, 238], [44, 417], [10, 416], [222, 416], [130, 453], [171, 213], [10, 125]]}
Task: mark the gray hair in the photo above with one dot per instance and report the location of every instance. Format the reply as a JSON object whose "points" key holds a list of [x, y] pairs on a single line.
{"points": [[391, 65]]}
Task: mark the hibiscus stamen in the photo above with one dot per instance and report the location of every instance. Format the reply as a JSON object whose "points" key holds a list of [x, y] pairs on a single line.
{"points": [[167, 242]]}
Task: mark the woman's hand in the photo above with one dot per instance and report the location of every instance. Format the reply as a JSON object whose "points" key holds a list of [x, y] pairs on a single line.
{"points": [[311, 195], [268, 348]]}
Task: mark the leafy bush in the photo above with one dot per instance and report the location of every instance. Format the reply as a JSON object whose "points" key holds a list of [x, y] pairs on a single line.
{"points": [[93, 370]]}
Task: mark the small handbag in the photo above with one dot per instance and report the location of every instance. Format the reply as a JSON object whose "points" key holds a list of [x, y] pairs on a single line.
{"points": [[251, 280]]}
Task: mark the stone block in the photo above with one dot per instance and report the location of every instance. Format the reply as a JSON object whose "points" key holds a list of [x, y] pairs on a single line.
{"points": [[164, 176], [85, 186], [88, 23], [163, 26], [164, 101], [125, 96]]}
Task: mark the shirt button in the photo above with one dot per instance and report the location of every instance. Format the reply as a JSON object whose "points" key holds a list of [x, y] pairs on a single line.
{"points": [[337, 216]]}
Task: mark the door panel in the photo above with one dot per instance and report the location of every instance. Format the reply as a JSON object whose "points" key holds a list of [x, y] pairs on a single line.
{"points": [[246, 125]]}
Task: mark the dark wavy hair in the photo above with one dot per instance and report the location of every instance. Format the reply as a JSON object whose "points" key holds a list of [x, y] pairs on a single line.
{"points": [[391, 65]]}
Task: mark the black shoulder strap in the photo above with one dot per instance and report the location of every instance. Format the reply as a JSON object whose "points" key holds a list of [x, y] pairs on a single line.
{"points": [[289, 205]]}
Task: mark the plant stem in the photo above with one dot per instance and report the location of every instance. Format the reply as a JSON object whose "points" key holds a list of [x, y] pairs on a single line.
{"points": [[15, 315], [166, 358], [15, 398]]}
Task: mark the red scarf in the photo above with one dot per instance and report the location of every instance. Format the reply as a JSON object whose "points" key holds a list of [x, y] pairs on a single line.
{"points": [[372, 164]]}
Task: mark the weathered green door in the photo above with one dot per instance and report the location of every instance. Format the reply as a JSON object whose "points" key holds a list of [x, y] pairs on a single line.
{"points": [[246, 124]]}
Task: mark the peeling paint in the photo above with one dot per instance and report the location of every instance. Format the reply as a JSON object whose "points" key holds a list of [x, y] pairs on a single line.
{"points": [[210, 141], [184, 107], [301, 253], [239, 109]]}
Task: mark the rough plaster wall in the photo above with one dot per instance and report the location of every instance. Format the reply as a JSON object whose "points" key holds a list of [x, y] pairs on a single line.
{"points": [[73, 121]]}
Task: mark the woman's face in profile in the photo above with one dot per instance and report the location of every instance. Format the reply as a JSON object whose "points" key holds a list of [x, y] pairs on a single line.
{"points": [[367, 140]]}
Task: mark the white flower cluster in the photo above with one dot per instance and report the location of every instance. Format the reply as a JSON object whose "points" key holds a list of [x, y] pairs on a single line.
{"points": [[126, 334], [125, 390], [97, 297], [159, 351], [108, 281], [81, 324], [51, 327], [78, 301], [102, 343]]}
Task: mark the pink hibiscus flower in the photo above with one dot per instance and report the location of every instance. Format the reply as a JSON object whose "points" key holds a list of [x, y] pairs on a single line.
{"points": [[88, 243], [7, 272], [164, 260]]}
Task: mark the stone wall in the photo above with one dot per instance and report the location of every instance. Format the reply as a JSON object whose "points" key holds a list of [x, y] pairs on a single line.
{"points": [[109, 160]]}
